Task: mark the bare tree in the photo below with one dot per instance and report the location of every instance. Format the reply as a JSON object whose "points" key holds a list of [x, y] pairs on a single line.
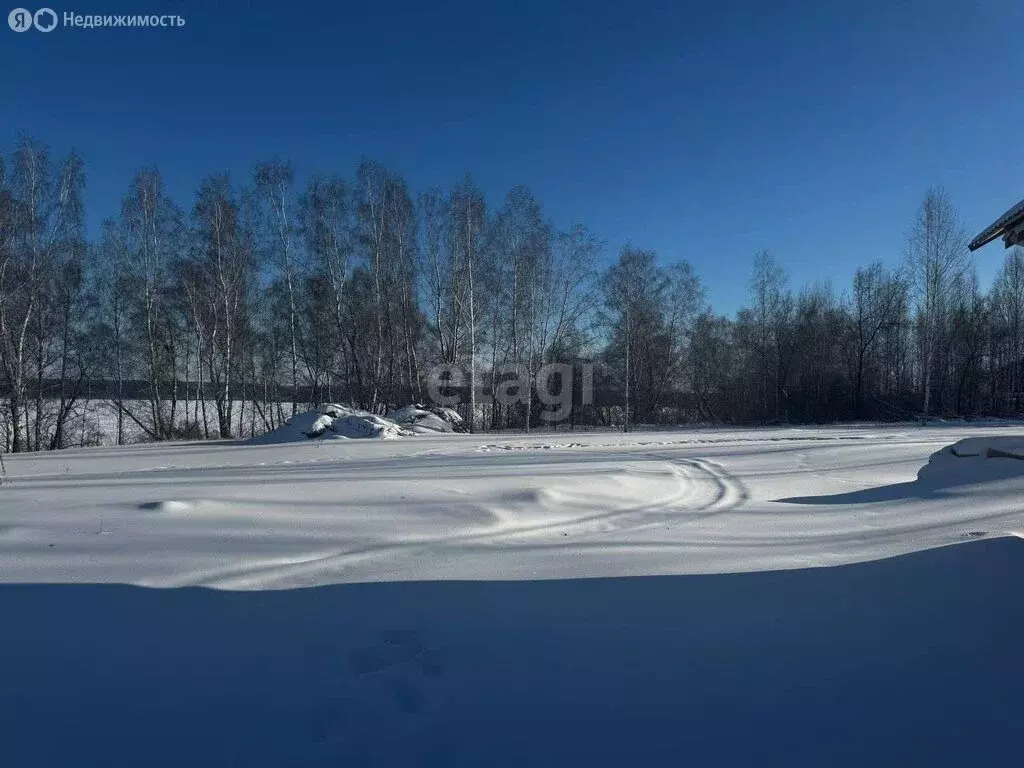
{"points": [[326, 219], [650, 312], [143, 250], [936, 257], [386, 226], [273, 182], [771, 310], [520, 241], [40, 231], [1007, 304], [572, 292], [467, 224], [219, 277], [874, 304]]}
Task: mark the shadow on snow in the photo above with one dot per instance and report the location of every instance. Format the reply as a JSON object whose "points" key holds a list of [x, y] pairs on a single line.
{"points": [[912, 660]]}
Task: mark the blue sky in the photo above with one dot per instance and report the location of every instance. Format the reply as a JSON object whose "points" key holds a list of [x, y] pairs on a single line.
{"points": [[705, 131]]}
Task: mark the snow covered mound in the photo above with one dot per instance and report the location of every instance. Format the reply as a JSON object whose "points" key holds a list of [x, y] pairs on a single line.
{"points": [[334, 421], [975, 460], [425, 421]]}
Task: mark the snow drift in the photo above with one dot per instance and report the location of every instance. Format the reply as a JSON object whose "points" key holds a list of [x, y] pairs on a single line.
{"points": [[974, 460], [341, 422], [954, 479]]}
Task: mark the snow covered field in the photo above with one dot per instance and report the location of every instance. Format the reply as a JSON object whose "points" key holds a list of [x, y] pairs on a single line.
{"points": [[448, 620]]}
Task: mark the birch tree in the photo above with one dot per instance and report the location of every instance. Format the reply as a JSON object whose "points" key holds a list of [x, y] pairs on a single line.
{"points": [[40, 230], [274, 189], [936, 257], [326, 222], [219, 277], [149, 244]]}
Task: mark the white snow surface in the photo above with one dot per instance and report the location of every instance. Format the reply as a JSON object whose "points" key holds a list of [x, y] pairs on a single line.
{"points": [[460, 606], [236, 516]]}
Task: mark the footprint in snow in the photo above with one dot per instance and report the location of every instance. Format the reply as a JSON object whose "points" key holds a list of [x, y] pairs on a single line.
{"points": [[397, 647], [403, 662]]}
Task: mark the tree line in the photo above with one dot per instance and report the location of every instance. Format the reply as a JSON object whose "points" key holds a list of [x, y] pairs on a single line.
{"points": [[261, 297]]}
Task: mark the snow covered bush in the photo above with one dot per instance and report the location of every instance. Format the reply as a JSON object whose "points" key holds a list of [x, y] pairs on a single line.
{"points": [[335, 421], [423, 420]]}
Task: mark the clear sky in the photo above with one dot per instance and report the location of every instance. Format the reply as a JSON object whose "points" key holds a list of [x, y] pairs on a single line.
{"points": [[705, 131]]}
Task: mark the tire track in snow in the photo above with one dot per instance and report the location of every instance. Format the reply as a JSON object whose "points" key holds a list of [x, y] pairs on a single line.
{"points": [[705, 489], [723, 492]]}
